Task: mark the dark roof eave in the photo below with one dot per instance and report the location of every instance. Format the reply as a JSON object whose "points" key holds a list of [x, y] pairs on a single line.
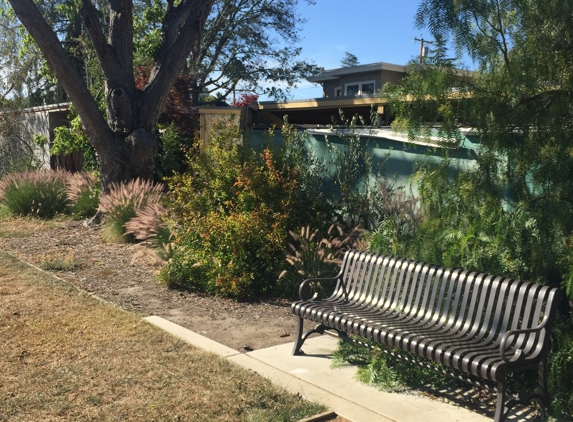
{"points": [[334, 74]]}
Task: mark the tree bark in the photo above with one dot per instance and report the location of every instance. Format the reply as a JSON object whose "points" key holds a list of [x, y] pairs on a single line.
{"points": [[125, 142]]}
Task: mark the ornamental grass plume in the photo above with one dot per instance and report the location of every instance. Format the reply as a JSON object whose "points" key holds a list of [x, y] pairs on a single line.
{"points": [[121, 205], [39, 193], [83, 191], [312, 257], [149, 226]]}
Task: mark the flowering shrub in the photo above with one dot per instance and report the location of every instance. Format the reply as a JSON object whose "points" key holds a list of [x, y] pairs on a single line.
{"points": [[311, 255], [245, 99], [232, 213], [149, 226]]}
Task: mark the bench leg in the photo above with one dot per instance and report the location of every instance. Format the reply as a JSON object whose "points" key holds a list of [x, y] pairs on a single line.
{"points": [[301, 337], [299, 341], [542, 397], [500, 409], [542, 383]]}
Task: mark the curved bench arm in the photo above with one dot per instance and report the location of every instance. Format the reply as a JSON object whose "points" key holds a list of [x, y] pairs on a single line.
{"points": [[518, 355], [314, 280]]}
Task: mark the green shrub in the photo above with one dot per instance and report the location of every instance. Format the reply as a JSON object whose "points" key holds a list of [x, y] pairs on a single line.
{"points": [[39, 193], [232, 212], [171, 152], [402, 216], [4, 211], [83, 191], [121, 205], [72, 138], [354, 177], [561, 367]]}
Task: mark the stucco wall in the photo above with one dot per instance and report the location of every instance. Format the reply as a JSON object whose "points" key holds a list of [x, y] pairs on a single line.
{"points": [[17, 147], [208, 116]]}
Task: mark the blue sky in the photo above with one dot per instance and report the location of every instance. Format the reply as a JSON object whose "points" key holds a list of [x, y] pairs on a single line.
{"points": [[372, 30]]}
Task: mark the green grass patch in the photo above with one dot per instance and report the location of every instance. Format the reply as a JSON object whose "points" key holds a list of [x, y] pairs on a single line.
{"points": [[58, 262], [4, 212]]}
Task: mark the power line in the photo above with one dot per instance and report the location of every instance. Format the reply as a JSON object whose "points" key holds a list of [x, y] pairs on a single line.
{"points": [[423, 51]]}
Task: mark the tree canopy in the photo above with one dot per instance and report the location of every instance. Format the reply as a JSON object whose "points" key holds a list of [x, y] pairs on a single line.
{"points": [[512, 212], [250, 46], [99, 52], [517, 103]]}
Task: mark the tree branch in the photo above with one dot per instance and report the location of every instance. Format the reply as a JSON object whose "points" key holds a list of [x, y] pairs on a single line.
{"points": [[92, 119], [121, 33], [171, 59], [106, 55]]}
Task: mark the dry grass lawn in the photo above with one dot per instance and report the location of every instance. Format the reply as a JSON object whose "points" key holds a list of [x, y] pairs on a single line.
{"points": [[67, 356]]}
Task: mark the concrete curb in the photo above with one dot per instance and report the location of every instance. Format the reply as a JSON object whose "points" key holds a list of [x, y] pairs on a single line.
{"points": [[311, 376], [349, 410]]}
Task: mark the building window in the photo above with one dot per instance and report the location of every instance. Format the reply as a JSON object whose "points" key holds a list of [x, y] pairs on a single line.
{"points": [[367, 88], [338, 92], [359, 88], [353, 89]]}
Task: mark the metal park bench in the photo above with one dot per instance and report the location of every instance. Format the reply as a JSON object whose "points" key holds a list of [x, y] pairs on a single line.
{"points": [[482, 326]]}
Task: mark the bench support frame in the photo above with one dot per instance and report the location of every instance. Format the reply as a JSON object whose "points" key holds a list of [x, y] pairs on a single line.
{"points": [[503, 405], [485, 326]]}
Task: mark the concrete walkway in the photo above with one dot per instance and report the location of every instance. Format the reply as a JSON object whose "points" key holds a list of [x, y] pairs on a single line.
{"points": [[312, 376]]}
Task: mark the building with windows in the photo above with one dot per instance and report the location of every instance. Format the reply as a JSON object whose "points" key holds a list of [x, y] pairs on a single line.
{"points": [[351, 90], [358, 80]]}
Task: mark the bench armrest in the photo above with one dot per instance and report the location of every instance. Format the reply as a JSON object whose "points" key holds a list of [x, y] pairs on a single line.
{"points": [[314, 280], [518, 355]]}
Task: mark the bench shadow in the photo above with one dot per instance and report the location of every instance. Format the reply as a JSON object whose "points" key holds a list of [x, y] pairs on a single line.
{"points": [[480, 401]]}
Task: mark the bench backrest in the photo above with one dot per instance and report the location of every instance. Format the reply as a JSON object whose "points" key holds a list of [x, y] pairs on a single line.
{"points": [[470, 303]]}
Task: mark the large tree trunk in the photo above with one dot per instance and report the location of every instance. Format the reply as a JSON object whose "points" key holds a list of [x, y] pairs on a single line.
{"points": [[132, 156], [125, 140]]}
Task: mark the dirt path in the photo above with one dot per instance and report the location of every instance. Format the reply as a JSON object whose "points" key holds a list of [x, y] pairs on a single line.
{"points": [[126, 275]]}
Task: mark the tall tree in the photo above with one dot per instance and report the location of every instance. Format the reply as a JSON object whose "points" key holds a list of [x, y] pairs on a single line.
{"points": [[517, 104], [247, 46], [349, 60], [124, 139]]}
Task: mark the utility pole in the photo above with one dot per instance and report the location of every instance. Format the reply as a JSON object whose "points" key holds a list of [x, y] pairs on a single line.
{"points": [[422, 42]]}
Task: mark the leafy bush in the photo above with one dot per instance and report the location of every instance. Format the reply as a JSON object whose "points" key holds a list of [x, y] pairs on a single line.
{"points": [[74, 139], [171, 152], [354, 177], [402, 215], [232, 214], [83, 191], [121, 205], [38, 193]]}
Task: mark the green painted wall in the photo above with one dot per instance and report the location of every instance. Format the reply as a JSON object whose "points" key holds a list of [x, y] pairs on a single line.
{"points": [[396, 159]]}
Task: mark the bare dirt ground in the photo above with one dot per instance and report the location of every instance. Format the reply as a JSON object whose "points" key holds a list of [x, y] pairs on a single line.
{"points": [[125, 274]]}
